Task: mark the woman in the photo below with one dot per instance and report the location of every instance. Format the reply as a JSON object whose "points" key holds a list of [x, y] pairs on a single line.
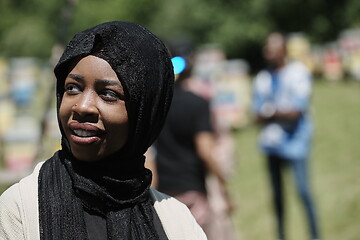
{"points": [[114, 88]]}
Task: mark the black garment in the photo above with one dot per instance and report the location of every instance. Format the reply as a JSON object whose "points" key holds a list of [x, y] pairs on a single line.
{"points": [[64, 196], [96, 226], [179, 167], [115, 188]]}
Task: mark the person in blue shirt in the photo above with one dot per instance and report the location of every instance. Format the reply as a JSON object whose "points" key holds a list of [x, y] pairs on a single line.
{"points": [[281, 99]]}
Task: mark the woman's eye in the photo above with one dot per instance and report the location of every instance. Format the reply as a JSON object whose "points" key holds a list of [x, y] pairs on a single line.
{"points": [[72, 88], [109, 95]]}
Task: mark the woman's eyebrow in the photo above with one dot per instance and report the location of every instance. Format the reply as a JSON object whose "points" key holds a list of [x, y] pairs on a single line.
{"points": [[107, 82], [76, 77]]}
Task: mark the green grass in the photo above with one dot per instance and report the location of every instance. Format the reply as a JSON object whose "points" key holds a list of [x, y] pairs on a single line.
{"points": [[334, 169]]}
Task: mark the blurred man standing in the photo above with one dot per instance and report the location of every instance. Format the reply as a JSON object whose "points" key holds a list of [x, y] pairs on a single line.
{"points": [[184, 150], [281, 98]]}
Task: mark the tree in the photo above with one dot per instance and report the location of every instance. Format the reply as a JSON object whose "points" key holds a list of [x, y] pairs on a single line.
{"points": [[31, 27]]}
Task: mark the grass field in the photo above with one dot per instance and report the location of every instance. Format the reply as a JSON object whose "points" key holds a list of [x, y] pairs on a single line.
{"points": [[335, 172], [334, 169]]}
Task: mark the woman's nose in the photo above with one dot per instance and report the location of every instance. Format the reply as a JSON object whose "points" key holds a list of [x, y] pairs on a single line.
{"points": [[86, 104]]}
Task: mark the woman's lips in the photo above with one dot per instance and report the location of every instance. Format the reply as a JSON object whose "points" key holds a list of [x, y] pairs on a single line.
{"points": [[84, 133]]}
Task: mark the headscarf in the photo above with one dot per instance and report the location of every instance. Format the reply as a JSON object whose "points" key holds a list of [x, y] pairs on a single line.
{"points": [[117, 187], [143, 66]]}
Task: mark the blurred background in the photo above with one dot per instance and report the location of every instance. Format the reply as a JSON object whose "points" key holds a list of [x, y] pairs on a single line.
{"points": [[228, 36]]}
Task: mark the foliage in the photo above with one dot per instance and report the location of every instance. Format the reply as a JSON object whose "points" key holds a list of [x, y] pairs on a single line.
{"points": [[28, 28], [32, 27]]}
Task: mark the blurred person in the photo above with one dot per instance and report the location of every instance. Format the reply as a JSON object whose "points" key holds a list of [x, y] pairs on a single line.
{"points": [[114, 88], [281, 98], [184, 152]]}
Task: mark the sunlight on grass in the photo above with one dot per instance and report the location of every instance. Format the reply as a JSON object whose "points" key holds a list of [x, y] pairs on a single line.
{"points": [[334, 172]]}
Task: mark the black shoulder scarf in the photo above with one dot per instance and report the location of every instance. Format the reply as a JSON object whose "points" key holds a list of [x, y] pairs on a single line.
{"points": [[115, 188]]}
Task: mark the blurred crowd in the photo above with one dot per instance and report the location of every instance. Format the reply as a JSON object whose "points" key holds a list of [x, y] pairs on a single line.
{"points": [[28, 116], [28, 121], [333, 61]]}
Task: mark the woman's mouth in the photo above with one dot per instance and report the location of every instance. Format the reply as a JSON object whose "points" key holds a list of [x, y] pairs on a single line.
{"points": [[84, 134]]}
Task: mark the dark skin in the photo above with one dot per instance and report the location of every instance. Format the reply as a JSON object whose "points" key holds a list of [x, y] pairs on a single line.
{"points": [[204, 141], [274, 53], [290, 116], [92, 112]]}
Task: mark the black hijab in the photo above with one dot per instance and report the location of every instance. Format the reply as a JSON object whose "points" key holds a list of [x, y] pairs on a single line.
{"points": [[117, 187]]}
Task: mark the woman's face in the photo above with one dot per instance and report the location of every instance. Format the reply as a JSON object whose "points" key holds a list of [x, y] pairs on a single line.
{"points": [[92, 110]]}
